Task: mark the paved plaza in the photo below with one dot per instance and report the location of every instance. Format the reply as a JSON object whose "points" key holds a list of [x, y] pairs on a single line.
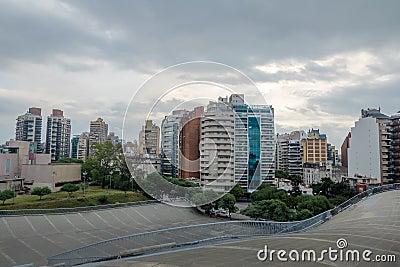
{"points": [[372, 224], [33, 238]]}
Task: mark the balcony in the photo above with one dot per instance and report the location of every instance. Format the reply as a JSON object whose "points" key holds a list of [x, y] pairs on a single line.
{"points": [[394, 136]]}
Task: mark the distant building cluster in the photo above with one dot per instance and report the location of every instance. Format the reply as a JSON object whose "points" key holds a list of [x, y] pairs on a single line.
{"points": [[27, 161], [22, 168], [230, 142], [308, 155], [224, 143]]}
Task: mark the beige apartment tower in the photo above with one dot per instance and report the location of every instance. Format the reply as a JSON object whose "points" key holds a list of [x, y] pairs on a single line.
{"points": [[98, 133], [314, 147], [149, 139]]}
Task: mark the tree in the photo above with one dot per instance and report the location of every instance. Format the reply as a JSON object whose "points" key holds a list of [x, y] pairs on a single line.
{"points": [[343, 189], [103, 163], [267, 192], [295, 181], [70, 188], [237, 191], [228, 202], [303, 215], [122, 185], [315, 204], [41, 191], [108, 162], [273, 209], [282, 174], [92, 168], [6, 194], [254, 210]]}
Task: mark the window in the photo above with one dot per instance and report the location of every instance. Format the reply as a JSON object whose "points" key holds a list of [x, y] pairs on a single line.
{"points": [[8, 164]]}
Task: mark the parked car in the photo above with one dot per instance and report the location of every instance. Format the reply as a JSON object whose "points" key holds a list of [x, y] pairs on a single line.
{"points": [[223, 213]]}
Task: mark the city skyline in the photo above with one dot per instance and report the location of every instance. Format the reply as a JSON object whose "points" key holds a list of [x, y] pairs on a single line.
{"points": [[318, 64], [159, 123]]}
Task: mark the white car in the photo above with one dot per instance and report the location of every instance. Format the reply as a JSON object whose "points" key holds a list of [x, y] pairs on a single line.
{"points": [[223, 213]]}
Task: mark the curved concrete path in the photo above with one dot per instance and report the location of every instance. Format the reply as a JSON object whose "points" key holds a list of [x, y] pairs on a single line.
{"points": [[373, 224], [33, 238]]}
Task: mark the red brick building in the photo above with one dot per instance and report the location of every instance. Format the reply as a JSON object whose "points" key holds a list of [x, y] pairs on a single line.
{"points": [[189, 140]]}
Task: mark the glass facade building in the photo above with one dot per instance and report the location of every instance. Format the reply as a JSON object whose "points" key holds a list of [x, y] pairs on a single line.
{"points": [[170, 143], [254, 145]]}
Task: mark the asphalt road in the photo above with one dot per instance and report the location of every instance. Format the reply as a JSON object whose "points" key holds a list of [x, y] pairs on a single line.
{"points": [[373, 224], [31, 239]]}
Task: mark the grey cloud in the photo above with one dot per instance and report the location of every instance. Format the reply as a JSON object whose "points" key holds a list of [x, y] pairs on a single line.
{"points": [[149, 35], [352, 100], [165, 33]]}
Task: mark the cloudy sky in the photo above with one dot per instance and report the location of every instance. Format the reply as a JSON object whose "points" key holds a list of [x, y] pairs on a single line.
{"points": [[317, 62]]}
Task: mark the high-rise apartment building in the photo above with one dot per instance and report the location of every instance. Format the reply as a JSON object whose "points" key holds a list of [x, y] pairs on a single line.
{"points": [[189, 144], [394, 170], [98, 133], [289, 152], [332, 154], [170, 143], [83, 146], [368, 152], [149, 139], [314, 147], [281, 152], [74, 146], [344, 150], [295, 154], [58, 135], [29, 128], [114, 138], [253, 143], [216, 147]]}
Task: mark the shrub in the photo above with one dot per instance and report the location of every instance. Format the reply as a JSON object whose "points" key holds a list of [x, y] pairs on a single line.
{"points": [[103, 199], [6, 194], [41, 191], [70, 188]]}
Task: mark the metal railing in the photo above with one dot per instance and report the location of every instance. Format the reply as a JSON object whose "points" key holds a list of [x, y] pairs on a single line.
{"points": [[175, 238], [73, 210]]}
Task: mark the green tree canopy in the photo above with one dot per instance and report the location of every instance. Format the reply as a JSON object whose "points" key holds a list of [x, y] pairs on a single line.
{"points": [[267, 192], [228, 202], [303, 215], [107, 162], [282, 174], [41, 191], [237, 191], [315, 204], [70, 188], [273, 209], [6, 194]]}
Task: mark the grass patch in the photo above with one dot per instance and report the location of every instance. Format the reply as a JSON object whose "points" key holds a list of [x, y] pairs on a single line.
{"points": [[61, 199]]}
